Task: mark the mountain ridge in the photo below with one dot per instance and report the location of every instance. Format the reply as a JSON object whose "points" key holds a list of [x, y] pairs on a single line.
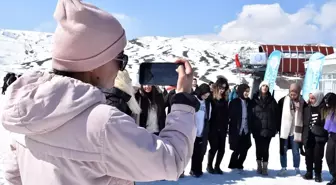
{"points": [[22, 51]]}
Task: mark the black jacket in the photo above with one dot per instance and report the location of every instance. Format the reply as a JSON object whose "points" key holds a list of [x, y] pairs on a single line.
{"points": [[313, 132], [118, 98], [265, 116], [235, 120], [219, 117]]}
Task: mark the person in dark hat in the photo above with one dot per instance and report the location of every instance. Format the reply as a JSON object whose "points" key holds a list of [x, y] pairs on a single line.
{"points": [[240, 113], [202, 123]]}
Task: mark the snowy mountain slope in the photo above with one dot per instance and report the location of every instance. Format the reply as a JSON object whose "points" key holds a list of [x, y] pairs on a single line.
{"points": [[24, 50]]}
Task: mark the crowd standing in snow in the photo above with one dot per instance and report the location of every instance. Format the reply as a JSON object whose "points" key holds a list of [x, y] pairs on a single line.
{"points": [[87, 121]]}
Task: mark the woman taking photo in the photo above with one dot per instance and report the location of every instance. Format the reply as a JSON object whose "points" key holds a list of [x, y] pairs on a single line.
{"points": [[265, 118], [218, 126], [62, 130]]}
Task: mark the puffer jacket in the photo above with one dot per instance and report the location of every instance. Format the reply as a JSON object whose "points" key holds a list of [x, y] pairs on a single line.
{"points": [[265, 116], [64, 133]]}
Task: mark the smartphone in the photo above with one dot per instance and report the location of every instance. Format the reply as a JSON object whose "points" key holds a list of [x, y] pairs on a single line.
{"points": [[158, 73]]}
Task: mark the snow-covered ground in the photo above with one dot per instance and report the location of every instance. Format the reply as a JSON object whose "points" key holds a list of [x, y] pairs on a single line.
{"points": [[250, 177], [229, 177]]}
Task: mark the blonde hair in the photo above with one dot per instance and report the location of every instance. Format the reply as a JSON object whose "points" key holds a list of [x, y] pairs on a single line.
{"points": [[124, 82], [216, 93]]}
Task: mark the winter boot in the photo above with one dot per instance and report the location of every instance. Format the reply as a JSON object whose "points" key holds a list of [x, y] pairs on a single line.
{"points": [[282, 172], [218, 170], [318, 178], [210, 169], [308, 176], [332, 182], [297, 171], [264, 168], [259, 167]]}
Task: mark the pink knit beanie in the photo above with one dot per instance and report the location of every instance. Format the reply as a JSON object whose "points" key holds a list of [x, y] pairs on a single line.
{"points": [[86, 37]]}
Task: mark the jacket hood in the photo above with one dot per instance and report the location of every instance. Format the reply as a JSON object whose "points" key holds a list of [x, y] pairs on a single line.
{"points": [[38, 103]]}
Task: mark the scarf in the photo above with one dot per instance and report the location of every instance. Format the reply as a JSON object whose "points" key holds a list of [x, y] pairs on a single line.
{"points": [[292, 115]]}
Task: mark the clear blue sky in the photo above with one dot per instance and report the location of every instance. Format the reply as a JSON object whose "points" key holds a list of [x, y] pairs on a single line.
{"points": [[147, 17]]}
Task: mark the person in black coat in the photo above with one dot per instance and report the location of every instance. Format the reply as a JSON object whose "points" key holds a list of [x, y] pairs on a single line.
{"points": [[329, 114], [218, 125], [265, 118], [239, 127], [314, 136], [202, 117]]}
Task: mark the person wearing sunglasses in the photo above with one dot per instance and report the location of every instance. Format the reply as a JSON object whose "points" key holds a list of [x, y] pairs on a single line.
{"points": [[63, 132]]}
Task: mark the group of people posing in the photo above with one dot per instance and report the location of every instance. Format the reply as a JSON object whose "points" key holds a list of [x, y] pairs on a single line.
{"points": [[303, 127]]}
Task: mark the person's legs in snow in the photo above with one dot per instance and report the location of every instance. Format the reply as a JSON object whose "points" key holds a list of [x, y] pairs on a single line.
{"points": [[331, 158], [265, 154], [213, 141], [258, 145], [196, 159], [243, 151], [318, 160], [283, 157], [296, 155], [309, 162], [220, 154]]}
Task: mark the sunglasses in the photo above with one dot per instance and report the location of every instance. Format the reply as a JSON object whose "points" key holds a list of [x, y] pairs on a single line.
{"points": [[123, 60]]}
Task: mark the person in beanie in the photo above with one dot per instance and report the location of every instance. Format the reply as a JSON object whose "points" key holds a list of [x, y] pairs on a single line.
{"points": [[218, 126], [202, 118], [329, 114], [265, 118], [290, 127], [240, 113], [314, 136], [61, 125]]}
